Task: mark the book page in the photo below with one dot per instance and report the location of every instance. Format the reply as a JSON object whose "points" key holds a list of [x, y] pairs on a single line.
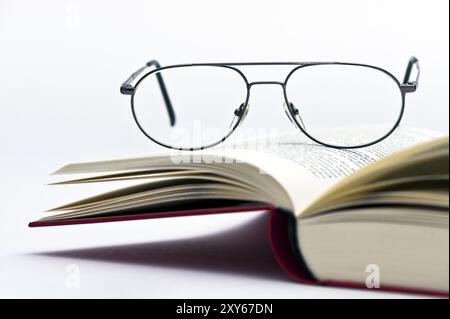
{"points": [[410, 164], [306, 169], [329, 163]]}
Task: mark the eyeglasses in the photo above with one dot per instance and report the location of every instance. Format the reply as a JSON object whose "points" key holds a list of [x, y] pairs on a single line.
{"points": [[196, 106]]}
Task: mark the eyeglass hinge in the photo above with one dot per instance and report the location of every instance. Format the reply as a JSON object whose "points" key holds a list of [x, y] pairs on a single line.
{"points": [[409, 87], [127, 89]]}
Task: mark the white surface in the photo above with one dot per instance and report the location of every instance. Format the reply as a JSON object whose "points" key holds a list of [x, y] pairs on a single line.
{"points": [[62, 63]]}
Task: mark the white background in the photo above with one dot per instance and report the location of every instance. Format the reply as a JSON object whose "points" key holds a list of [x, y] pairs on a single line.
{"points": [[61, 65]]}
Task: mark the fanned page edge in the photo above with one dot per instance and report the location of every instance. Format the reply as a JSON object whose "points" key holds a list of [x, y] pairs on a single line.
{"points": [[280, 169], [282, 240], [378, 167]]}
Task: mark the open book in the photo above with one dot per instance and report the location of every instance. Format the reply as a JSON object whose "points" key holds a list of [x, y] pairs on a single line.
{"points": [[370, 217]]}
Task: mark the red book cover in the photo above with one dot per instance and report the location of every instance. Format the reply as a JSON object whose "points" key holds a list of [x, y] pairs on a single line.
{"points": [[283, 247]]}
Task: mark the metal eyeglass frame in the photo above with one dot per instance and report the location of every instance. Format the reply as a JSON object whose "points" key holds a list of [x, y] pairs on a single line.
{"points": [[408, 85]]}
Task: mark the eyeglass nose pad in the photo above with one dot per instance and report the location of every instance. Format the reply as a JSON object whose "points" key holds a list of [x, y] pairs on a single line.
{"points": [[240, 112], [288, 114], [290, 109]]}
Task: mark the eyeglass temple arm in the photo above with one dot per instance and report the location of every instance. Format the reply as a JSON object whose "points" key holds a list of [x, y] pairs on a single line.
{"points": [[127, 88], [409, 85]]}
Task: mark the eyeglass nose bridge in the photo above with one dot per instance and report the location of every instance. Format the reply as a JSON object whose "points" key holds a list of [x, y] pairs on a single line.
{"points": [[282, 84], [265, 83]]}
